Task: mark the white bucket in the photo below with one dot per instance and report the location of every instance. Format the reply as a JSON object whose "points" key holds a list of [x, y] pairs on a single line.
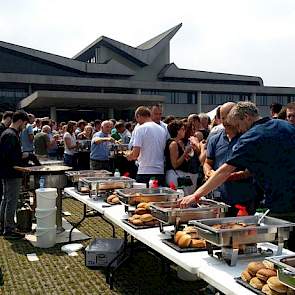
{"points": [[46, 237], [46, 218], [46, 198], [139, 185], [185, 275]]}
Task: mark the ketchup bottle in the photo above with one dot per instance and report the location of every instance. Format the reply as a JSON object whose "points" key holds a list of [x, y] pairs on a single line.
{"points": [[242, 210]]}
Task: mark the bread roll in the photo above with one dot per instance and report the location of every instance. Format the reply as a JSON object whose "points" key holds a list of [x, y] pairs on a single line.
{"points": [[146, 217], [178, 235], [184, 241], [256, 283], [268, 264], [253, 267], [137, 222], [136, 216], [141, 211], [245, 275], [110, 198], [265, 273], [268, 291], [142, 205], [192, 231], [276, 285], [151, 223], [130, 219], [196, 243], [115, 200]]}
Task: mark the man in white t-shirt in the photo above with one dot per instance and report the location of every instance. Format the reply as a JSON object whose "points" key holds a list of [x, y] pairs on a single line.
{"points": [[156, 115], [148, 148]]}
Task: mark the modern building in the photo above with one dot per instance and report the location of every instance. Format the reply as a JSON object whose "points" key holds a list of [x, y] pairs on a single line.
{"points": [[110, 79]]}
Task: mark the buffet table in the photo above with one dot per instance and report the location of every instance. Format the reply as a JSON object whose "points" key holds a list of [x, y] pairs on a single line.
{"points": [[216, 272]]}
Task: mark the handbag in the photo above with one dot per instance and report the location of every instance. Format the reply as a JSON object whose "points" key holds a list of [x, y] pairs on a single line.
{"points": [[183, 181]]}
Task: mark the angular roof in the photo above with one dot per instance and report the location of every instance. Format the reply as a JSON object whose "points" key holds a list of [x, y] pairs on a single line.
{"points": [[172, 71], [111, 67], [143, 55]]}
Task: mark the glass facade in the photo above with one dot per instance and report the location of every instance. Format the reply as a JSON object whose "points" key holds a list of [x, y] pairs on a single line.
{"points": [[9, 98], [221, 98], [266, 100], [173, 97]]}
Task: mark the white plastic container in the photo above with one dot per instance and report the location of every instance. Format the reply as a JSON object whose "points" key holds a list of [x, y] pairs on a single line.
{"points": [[139, 185], [46, 218], [46, 198], [46, 237]]}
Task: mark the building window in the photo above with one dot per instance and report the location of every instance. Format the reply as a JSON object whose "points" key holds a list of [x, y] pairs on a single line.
{"points": [[173, 97], [266, 100], [221, 98]]}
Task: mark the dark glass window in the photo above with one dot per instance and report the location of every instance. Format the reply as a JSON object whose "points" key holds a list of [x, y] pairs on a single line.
{"points": [[266, 100]]}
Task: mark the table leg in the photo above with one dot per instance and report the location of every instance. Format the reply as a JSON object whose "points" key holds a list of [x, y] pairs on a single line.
{"points": [[59, 229], [78, 223], [108, 222]]}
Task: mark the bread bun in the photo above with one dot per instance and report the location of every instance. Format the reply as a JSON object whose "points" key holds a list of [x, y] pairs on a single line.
{"points": [[151, 223], [184, 241], [256, 283], [141, 211], [137, 222], [136, 216], [276, 285], [178, 235], [265, 273], [146, 217], [245, 275], [268, 264], [142, 205], [130, 219], [192, 231], [253, 267], [110, 198], [115, 200], [196, 243], [268, 291]]}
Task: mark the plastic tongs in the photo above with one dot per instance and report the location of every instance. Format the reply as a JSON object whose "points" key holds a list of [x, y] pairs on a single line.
{"points": [[262, 216]]}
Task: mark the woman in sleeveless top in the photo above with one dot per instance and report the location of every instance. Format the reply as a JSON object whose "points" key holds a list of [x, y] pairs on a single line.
{"points": [[178, 159]]}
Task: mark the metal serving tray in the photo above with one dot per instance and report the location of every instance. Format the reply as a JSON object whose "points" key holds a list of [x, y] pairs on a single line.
{"points": [[285, 265], [169, 212], [271, 229], [133, 196], [75, 176], [108, 183]]}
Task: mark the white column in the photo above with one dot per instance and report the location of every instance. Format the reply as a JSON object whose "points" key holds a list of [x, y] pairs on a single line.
{"points": [[53, 113], [199, 102], [253, 97]]}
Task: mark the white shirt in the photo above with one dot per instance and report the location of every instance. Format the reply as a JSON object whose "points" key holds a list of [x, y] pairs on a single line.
{"points": [[73, 142], [151, 139]]}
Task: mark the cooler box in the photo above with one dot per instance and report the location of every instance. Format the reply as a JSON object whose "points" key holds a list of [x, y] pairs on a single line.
{"points": [[100, 252]]}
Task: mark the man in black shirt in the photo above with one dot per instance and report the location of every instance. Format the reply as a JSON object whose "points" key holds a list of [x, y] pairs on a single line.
{"points": [[10, 156], [6, 121]]}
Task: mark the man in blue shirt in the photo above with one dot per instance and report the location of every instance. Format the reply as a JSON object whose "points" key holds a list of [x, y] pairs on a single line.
{"points": [[100, 147], [27, 136], [267, 150], [239, 188]]}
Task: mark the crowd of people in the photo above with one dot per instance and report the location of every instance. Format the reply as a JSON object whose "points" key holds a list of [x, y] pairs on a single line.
{"points": [[239, 156]]}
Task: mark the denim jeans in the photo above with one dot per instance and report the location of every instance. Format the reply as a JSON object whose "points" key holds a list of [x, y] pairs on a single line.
{"points": [[11, 188]]}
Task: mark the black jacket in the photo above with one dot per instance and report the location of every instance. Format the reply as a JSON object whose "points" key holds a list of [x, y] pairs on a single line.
{"points": [[10, 154]]}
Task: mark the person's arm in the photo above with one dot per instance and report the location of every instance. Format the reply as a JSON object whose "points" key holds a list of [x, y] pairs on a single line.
{"points": [[202, 156], [208, 168], [98, 140], [215, 181], [175, 160], [239, 175], [134, 153]]}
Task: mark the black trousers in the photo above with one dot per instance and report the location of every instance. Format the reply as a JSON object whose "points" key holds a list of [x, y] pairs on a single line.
{"points": [[145, 178]]}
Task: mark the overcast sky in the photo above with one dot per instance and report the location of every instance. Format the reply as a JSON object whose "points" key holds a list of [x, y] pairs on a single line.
{"points": [[249, 37]]}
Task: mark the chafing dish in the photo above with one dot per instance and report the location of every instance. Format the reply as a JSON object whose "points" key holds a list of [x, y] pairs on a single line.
{"points": [[133, 196], [245, 237], [169, 212], [107, 183], [285, 265], [74, 176]]}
